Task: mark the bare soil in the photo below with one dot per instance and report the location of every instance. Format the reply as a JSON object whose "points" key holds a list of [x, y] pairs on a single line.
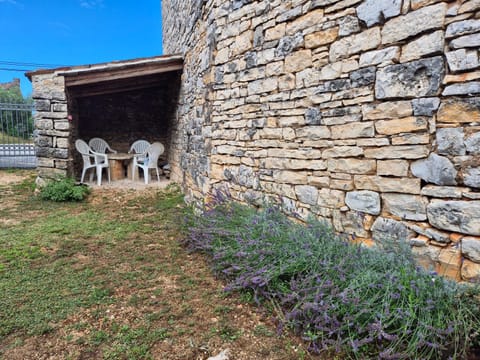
{"points": [[155, 284]]}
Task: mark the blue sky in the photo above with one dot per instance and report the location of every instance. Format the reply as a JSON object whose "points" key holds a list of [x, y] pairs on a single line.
{"points": [[76, 32]]}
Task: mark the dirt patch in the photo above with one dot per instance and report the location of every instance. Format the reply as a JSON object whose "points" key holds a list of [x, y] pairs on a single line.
{"points": [[9, 178]]}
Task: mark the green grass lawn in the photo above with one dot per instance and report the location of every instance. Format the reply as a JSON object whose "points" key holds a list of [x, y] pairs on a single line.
{"points": [[107, 279]]}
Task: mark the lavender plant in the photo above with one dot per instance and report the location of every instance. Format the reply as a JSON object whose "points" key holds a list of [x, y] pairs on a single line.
{"points": [[361, 303]]}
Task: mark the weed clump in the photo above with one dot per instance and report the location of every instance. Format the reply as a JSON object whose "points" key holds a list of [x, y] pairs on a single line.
{"points": [[63, 189], [340, 297]]}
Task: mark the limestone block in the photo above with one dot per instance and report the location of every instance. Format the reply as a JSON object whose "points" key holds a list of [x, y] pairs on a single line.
{"points": [[286, 82], [42, 105], [469, 6], [43, 141], [450, 141], [472, 143], [467, 41], [262, 86], [288, 44], [426, 256], [307, 194], [364, 201], [342, 151], [387, 110], [471, 176], [377, 11], [403, 125], [392, 168], [290, 177], [344, 47], [386, 184], [425, 106], [410, 207], [308, 20], [471, 248], [387, 230], [352, 166], [363, 77], [459, 110], [435, 169], [470, 271], [350, 222], [449, 263], [329, 198], [462, 59], [242, 43], [330, 71], [469, 88], [222, 56], [353, 130], [428, 44], [410, 80], [313, 132], [348, 25], [397, 152], [413, 23], [454, 192], [62, 143], [275, 32], [411, 139], [294, 164], [45, 162], [298, 61], [458, 216], [313, 116], [462, 28], [372, 142], [380, 57]]}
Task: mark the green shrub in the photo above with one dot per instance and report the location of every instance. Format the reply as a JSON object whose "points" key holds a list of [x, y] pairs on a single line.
{"points": [[64, 189]]}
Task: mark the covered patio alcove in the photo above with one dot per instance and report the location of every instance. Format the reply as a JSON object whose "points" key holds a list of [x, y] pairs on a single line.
{"points": [[121, 102]]}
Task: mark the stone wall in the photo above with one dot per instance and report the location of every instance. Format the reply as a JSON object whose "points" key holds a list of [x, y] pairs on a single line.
{"points": [[363, 113]]}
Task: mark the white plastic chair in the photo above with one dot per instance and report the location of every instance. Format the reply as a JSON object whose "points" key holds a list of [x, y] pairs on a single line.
{"points": [[92, 159], [148, 161], [100, 146], [138, 147]]}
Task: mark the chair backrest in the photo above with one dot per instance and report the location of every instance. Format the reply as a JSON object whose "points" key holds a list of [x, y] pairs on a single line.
{"points": [[154, 151], [139, 146], [99, 145], [83, 148]]}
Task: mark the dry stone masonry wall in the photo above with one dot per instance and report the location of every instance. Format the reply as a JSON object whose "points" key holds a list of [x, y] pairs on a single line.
{"points": [[362, 113]]}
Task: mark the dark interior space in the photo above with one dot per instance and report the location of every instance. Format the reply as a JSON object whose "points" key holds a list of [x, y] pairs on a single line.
{"points": [[123, 111]]}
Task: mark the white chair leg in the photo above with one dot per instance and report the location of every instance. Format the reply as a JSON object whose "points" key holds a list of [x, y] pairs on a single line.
{"points": [[146, 174], [83, 175], [108, 173], [133, 172], [158, 175], [91, 174], [99, 176]]}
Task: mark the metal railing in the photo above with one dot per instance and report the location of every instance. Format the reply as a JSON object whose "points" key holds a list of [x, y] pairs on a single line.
{"points": [[16, 136]]}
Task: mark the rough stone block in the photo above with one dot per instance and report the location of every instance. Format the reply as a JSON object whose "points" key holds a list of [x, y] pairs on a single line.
{"points": [[397, 152], [342, 151], [307, 194], [298, 61], [470, 271], [363, 77], [262, 86], [276, 32], [348, 25], [409, 207], [387, 110], [364, 201], [290, 177], [443, 191], [313, 132], [459, 110], [366, 40], [425, 45], [380, 57], [462, 59], [329, 198], [468, 88], [472, 143], [350, 222], [449, 263], [462, 28], [321, 38], [352, 166], [425, 106], [410, 80], [450, 141], [353, 130], [467, 41], [392, 168], [306, 21], [385, 230], [411, 139], [377, 11], [385, 184], [288, 44], [413, 23], [471, 176], [457, 216], [403, 125], [435, 169]]}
